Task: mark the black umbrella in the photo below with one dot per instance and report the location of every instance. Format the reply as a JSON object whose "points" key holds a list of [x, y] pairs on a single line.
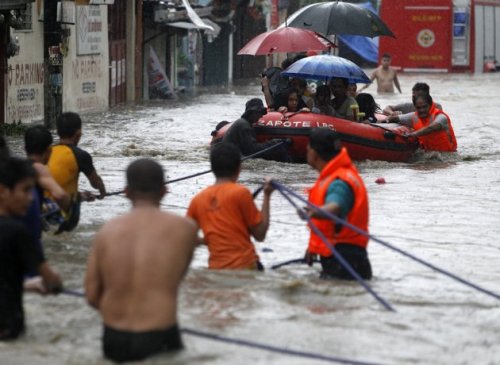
{"points": [[336, 17]]}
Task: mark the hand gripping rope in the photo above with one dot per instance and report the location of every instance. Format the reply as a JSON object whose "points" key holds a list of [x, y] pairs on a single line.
{"points": [[336, 219], [258, 153]]}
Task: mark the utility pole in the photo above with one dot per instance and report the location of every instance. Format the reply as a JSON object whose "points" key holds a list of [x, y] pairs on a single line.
{"points": [[4, 31]]}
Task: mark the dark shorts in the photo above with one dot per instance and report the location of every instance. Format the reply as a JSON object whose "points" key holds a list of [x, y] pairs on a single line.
{"points": [[356, 256], [12, 326], [121, 346]]}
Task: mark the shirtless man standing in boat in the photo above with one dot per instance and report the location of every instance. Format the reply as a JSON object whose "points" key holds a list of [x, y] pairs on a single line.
{"points": [[135, 269], [386, 77]]}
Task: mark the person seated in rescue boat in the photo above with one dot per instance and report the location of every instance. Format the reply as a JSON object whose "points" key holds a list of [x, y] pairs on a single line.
{"points": [[367, 108], [273, 82], [432, 127], [294, 103], [343, 104], [322, 101], [352, 89]]}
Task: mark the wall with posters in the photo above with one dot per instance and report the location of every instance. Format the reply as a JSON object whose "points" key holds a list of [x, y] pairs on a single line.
{"points": [[25, 75], [86, 67]]}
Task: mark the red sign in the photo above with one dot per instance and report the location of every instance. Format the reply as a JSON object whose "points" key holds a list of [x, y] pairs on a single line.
{"points": [[423, 33]]}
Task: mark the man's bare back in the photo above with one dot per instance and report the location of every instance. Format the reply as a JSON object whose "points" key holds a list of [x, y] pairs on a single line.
{"points": [[136, 265]]}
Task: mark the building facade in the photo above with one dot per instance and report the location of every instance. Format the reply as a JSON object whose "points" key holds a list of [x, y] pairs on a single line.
{"points": [[89, 55]]}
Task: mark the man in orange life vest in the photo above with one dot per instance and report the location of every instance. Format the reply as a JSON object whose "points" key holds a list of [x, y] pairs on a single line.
{"points": [[339, 190], [432, 127]]}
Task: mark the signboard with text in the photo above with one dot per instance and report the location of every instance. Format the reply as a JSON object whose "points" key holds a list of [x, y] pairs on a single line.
{"points": [[89, 30]]}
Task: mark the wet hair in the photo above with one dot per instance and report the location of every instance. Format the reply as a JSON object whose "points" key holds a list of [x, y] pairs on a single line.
{"points": [[4, 149], [344, 81], [299, 57], [37, 140], [367, 104], [425, 97], [325, 142], [145, 176], [13, 170], [421, 87], [68, 124], [218, 127], [296, 82], [324, 89], [225, 160], [286, 63]]}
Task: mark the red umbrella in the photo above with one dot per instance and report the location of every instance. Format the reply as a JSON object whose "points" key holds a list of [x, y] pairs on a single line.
{"points": [[284, 40]]}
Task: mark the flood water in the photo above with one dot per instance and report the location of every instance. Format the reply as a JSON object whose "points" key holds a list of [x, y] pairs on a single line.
{"points": [[443, 209]]}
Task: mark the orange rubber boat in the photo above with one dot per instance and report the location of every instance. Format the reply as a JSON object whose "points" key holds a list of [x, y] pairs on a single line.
{"points": [[364, 141]]}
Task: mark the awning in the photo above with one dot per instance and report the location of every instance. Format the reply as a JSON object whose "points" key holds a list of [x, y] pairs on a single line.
{"points": [[14, 4], [196, 22], [191, 25]]}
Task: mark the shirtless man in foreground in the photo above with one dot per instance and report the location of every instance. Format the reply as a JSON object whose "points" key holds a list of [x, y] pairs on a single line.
{"points": [[135, 269], [386, 77]]}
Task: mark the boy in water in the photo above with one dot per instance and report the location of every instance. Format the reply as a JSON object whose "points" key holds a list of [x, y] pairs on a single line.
{"points": [[227, 214], [18, 253], [37, 144], [67, 161], [135, 269], [386, 76]]}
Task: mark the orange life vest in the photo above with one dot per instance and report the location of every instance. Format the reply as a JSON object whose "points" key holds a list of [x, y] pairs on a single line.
{"points": [[340, 167], [442, 140]]}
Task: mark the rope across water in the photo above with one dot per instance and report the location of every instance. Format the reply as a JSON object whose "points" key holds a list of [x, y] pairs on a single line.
{"points": [[252, 344], [336, 219], [256, 154]]}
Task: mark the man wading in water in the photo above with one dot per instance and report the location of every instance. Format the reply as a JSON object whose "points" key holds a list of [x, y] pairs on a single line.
{"points": [[135, 268]]}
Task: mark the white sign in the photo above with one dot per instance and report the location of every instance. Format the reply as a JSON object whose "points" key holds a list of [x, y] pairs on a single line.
{"points": [[102, 2], [89, 30], [66, 12]]}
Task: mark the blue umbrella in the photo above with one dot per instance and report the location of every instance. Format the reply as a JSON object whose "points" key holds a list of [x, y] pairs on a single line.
{"points": [[325, 67]]}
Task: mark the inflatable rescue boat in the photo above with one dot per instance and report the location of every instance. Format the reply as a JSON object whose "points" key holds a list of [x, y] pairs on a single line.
{"points": [[364, 141]]}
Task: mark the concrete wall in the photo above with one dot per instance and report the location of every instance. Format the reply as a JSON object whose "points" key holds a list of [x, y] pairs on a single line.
{"points": [[25, 77], [86, 77]]}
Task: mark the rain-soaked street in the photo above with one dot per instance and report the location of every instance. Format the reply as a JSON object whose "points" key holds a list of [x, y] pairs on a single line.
{"points": [[444, 209]]}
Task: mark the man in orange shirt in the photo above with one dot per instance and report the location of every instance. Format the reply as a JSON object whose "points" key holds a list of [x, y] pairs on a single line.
{"points": [[227, 215]]}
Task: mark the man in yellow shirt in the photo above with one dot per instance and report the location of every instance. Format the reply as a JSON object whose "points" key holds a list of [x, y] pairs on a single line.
{"points": [[68, 160]]}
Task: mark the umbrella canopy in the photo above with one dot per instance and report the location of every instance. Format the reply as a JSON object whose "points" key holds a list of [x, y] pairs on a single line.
{"points": [[324, 67], [336, 17], [284, 40]]}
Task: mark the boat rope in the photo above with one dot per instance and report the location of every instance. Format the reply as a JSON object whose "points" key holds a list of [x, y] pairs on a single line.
{"points": [[258, 153], [246, 343], [290, 262], [387, 244], [391, 133], [285, 351], [334, 251]]}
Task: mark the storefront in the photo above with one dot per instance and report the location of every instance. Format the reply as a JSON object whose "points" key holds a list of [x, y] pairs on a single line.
{"points": [[8, 19]]}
